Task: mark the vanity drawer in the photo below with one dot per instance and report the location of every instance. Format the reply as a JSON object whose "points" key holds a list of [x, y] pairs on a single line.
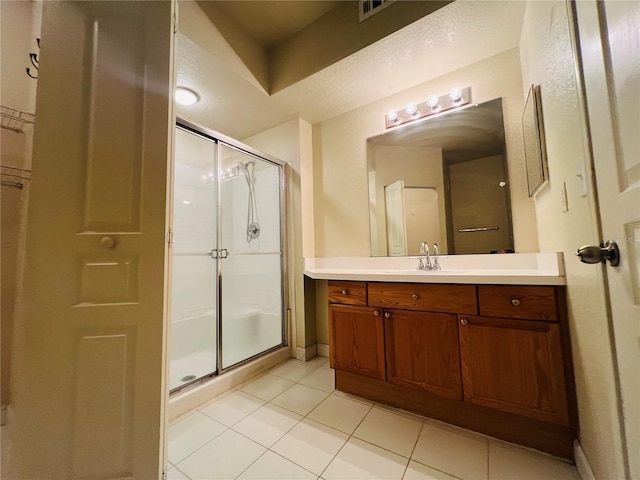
{"points": [[350, 293], [525, 302], [424, 296]]}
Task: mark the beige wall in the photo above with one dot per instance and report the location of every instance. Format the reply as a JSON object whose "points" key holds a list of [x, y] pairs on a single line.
{"points": [[291, 142], [340, 165], [547, 60]]}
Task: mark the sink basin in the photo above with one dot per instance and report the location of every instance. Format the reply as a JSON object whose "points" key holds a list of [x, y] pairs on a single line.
{"points": [[445, 271]]}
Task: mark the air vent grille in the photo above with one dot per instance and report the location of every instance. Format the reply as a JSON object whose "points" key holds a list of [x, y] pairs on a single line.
{"points": [[371, 7]]}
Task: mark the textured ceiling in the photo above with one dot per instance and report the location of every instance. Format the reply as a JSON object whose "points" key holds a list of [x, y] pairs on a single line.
{"points": [[459, 34]]}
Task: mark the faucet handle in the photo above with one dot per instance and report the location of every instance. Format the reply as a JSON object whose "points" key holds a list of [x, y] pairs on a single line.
{"points": [[436, 262]]}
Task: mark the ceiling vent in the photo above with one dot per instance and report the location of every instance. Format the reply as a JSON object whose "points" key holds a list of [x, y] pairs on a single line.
{"points": [[371, 7]]}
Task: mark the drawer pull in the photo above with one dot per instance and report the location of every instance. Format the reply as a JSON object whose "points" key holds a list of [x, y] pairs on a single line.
{"points": [[376, 313], [345, 292], [387, 315], [414, 296], [463, 321], [515, 302]]}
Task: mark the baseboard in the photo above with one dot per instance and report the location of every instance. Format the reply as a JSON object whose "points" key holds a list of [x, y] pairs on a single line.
{"points": [[323, 349], [582, 464], [306, 353]]}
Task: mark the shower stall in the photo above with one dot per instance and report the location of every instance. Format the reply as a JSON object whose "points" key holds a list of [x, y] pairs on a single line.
{"points": [[228, 280]]}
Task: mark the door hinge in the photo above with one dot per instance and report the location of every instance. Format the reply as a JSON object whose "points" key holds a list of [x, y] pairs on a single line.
{"points": [[170, 238]]}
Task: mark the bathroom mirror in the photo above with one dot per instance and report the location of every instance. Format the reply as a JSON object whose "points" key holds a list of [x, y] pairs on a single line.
{"points": [[535, 155], [441, 180]]}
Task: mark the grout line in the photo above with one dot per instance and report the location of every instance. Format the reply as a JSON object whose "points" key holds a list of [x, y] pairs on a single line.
{"points": [[176, 467], [488, 459], [202, 446]]}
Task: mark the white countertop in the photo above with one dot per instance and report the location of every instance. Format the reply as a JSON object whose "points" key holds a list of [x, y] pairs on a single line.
{"points": [[507, 269]]}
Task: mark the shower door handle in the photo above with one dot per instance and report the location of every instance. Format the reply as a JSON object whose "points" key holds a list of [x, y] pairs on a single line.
{"points": [[221, 253]]}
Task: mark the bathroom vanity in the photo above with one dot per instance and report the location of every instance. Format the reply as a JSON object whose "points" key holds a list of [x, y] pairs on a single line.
{"points": [[484, 348]]}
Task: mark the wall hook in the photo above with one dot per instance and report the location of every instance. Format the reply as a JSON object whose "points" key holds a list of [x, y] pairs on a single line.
{"points": [[34, 61]]}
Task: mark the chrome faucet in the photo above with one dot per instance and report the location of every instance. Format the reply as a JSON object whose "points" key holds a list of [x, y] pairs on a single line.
{"points": [[436, 262], [424, 263]]}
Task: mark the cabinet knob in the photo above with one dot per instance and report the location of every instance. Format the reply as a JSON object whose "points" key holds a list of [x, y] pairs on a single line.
{"points": [[345, 292], [463, 321], [376, 313], [515, 302], [415, 296], [387, 315]]}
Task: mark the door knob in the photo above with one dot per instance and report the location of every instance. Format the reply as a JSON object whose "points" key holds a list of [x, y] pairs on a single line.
{"points": [[107, 242], [594, 254]]}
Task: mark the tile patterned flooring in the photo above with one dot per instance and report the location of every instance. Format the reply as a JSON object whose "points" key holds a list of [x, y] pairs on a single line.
{"points": [[290, 423]]}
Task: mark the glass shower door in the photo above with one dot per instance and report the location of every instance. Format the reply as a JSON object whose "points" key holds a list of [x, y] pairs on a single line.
{"points": [[193, 333], [251, 290]]}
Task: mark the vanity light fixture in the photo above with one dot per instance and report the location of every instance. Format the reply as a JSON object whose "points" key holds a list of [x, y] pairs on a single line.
{"points": [[456, 97], [185, 96], [434, 102], [411, 109]]}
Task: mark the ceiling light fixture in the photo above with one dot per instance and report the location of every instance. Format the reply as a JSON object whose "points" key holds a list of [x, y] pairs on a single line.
{"points": [[185, 96], [434, 104]]}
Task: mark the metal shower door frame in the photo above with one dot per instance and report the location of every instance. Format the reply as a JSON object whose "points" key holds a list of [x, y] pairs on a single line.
{"points": [[221, 141]]}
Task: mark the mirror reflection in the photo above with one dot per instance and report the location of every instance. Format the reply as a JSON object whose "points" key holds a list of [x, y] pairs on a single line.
{"points": [[441, 180]]}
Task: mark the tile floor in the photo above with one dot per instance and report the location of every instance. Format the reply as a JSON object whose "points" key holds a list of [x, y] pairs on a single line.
{"points": [[290, 423]]}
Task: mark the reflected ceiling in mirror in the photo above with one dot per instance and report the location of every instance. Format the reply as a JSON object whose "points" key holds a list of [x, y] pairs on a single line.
{"points": [[442, 180]]}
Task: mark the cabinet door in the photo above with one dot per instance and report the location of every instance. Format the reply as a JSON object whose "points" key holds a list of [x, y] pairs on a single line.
{"points": [[422, 351], [515, 366], [357, 340]]}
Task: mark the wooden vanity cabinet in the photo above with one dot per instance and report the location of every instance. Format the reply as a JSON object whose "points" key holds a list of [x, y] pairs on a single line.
{"points": [[357, 340], [491, 358], [422, 351], [515, 366]]}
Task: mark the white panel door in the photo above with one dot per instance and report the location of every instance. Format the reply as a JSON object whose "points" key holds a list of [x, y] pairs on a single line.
{"points": [[609, 34], [89, 388], [396, 225]]}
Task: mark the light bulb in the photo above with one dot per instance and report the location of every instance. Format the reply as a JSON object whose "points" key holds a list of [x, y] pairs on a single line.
{"points": [[184, 96], [455, 94], [392, 116], [433, 101], [411, 109]]}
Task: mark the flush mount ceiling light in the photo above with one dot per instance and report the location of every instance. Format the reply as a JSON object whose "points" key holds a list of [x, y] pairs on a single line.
{"points": [[184, 96], [434, 104]]}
